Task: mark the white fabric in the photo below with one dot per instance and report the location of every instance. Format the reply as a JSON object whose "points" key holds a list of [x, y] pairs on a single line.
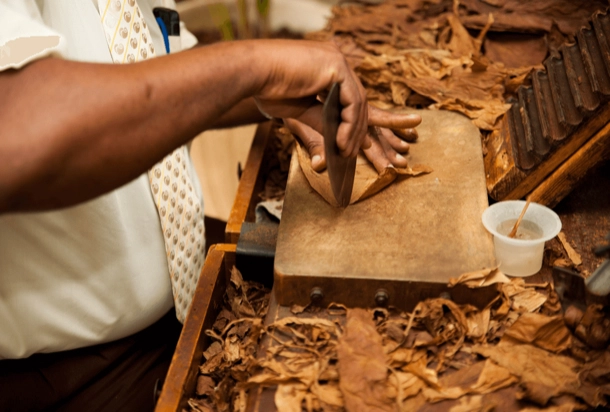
{"points": [[91, 273]]}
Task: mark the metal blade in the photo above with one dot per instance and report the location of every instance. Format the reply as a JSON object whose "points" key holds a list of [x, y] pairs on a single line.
{"points": [[341, 170]]}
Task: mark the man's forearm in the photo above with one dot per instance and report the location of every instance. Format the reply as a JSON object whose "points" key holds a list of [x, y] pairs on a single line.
{"points": [[72, 131], [245, 112]]}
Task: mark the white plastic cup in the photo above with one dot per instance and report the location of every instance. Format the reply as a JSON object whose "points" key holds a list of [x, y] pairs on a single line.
{"points": [[518, 256]]}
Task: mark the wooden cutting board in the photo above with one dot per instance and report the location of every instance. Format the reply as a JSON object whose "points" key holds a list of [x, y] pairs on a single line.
{"points": [[406, 241]]}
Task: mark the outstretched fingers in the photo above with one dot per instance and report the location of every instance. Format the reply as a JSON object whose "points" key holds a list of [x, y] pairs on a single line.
{"points": [[392, 141], [391, 120], [312, 140]]}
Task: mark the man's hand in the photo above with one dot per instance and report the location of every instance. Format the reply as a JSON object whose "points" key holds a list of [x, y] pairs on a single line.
{"points": [[294, 83], [389, 134]]}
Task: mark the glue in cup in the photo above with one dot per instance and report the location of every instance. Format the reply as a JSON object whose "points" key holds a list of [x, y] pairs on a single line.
{"points": [[522, 255]]}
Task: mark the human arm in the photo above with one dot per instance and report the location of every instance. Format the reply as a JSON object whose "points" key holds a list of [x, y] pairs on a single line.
{"points": [[72, 131], [244, 112]]}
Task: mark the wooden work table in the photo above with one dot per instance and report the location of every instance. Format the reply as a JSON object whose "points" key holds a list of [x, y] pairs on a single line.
{"points": [[585, 215]]}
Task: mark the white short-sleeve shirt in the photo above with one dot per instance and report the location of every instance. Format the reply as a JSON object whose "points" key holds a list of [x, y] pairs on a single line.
{"points": [[97, 271]]}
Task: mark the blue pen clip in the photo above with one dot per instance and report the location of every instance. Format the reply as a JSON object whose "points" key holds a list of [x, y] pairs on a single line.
{"points": [[164, 32], [169, 23]]}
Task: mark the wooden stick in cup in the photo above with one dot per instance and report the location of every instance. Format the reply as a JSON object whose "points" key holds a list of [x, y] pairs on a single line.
{"points": [[513, 232]]}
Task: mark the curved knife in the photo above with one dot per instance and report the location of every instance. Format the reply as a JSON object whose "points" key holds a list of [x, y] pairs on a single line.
{"points": [[341, 170]]}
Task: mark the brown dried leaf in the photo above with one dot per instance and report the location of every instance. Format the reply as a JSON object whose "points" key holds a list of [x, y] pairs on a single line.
{"points": [[289, 397], [564, 263], [214, 349], [461, 44], [572, 254], [420, 369], [405, 385], [240, 401], [436, 395], [231, 349], [205, 385], [329, 394], [236, 279], [394, 331], [535, 365], [367, 181], [362, 365], [484, 113], [492, 378], [516, 49], [319, 322], [478, 323], [480, 278], [297, 309], [472, 404], [224, 318], [214, 363], [240, 304], [516, 285], [528, 300], [546, 332], [201, 405], [401, 356]]}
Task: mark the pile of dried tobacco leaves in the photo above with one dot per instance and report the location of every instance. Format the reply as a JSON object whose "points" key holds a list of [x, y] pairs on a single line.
{"points": [[516, 354], [468, 55], [519, 353], [235, 337]]}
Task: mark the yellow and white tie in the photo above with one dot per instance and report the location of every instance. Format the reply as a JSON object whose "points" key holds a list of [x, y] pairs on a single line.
{"points": [[179, 206]]}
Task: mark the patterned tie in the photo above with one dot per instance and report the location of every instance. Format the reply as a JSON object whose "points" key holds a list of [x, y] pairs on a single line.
{"points": [[179, 207]]}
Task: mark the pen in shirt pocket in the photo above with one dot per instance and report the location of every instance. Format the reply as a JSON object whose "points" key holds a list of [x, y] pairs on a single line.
{"points": [[169, 23]]}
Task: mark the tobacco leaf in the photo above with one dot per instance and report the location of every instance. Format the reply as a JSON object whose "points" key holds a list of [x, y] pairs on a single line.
{"points": [[404, 385], [362, 365], [472, 404], [480, 278], [478, 324], [367, 181], [201, 405], [297, 309], [516, 49], [289, 397], [413, 53], [572, 254], [205, 385], [532, 17], [229, 358], [594, 327], [479, 378], [534, 365], [546, 332], [328, 394], [425, 360], [528, 300]]}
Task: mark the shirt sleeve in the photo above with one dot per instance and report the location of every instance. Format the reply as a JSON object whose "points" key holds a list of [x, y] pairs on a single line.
{"points": [[187, 38], [23, 35]]}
